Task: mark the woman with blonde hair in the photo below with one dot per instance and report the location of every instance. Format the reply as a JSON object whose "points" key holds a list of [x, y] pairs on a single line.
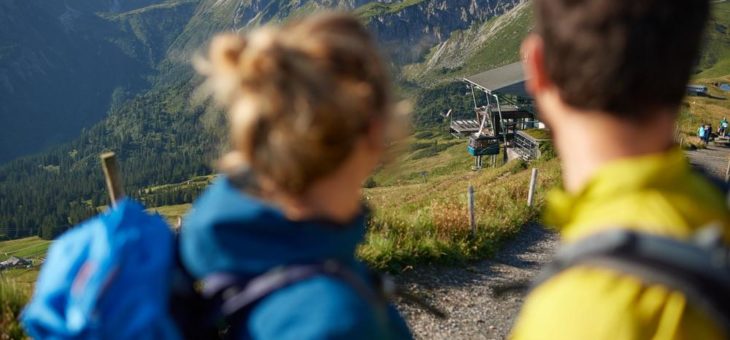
{"points": [[309, 105]]}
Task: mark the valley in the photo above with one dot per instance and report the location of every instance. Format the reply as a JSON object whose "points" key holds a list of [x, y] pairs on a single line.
{"points": [[141, 103]]}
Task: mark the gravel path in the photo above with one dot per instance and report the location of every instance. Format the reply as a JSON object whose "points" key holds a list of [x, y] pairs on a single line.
{"points": [[714, 158], [466, 293]]}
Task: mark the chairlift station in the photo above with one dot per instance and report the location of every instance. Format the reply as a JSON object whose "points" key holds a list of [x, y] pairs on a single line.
{"points": [[508, 110]]}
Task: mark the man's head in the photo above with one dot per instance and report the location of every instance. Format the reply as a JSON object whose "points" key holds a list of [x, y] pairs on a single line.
{"points": [[628, 58]]}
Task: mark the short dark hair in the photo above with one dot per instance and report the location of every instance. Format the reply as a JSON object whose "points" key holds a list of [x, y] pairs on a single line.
{"points": [[621, 56]]}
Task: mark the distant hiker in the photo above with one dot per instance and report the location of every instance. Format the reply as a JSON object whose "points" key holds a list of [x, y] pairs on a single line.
{"points": [[597, 70], [722, 129], [311, 112], [708, 133], [701, 132]]}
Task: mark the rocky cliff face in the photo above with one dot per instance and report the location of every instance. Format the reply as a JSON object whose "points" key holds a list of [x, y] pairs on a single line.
{"points": [[480, 47], [408, 33], [407, 29]]}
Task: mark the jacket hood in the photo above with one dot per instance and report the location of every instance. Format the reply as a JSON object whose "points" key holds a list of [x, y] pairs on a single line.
{"points": [[230, 231]]}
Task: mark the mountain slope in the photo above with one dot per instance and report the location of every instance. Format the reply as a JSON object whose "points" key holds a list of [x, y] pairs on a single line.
{"points": [[493, 43], [160, 135], [63, 64], [422, 24], [715, 62]]}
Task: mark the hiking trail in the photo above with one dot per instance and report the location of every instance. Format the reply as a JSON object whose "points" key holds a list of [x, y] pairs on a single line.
{"points": [[466, 292]]}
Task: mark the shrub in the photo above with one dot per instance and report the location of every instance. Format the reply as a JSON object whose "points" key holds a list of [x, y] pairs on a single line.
{"points": [[370, 183], [547, 151], [434, 149], [421, 146], [424, 135]]}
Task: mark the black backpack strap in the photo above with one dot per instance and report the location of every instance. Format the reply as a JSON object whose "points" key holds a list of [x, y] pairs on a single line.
{"points": [[236, 296], [194, 315], [700, 269]]}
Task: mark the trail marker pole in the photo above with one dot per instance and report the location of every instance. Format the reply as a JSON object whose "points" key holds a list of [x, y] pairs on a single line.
{"points": [[113, 177], [472, 220], [533, 184]]}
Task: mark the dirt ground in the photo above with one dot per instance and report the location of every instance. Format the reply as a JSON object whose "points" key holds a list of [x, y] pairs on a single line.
{"points": [[467, 293]]}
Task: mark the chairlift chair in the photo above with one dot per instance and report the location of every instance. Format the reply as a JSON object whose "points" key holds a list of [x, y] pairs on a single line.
{"points": [[483, 145]]}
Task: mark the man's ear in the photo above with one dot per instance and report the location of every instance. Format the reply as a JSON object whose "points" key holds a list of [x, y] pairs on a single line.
{"points": [[376, 134], [533, 63]]}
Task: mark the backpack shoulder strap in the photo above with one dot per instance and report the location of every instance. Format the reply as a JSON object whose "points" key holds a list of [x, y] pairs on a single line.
{"points": [[233, 297], [194, 315], [236, 296], [699, 270]]}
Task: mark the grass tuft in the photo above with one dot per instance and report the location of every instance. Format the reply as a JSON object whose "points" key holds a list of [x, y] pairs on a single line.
{"points": [[12, 299]]}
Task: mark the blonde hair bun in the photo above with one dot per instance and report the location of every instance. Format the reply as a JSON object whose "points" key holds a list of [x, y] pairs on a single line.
{"points": [[298, 96]]}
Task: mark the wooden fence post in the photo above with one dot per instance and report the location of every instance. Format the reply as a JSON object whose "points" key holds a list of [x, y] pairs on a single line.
{"points": [[533, 184], [472, 220], [113, 177]]}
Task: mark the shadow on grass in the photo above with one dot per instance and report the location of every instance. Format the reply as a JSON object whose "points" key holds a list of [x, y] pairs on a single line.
{"points": [[716, 97]]}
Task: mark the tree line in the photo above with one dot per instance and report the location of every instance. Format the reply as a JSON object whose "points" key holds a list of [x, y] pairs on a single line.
{"points": [[159, 139]]}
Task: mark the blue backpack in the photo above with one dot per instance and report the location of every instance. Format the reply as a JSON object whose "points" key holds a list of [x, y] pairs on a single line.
{"points": [[107, 278], [118, 276]]}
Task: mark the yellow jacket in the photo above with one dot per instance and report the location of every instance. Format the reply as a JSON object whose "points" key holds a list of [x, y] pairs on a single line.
{"points": [[657, 194]]}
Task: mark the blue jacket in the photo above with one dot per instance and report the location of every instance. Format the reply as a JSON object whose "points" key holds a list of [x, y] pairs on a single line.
{"points": [[229, 231]]}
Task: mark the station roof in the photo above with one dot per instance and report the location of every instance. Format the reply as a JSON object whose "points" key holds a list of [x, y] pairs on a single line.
{"points": [[509, 79]]}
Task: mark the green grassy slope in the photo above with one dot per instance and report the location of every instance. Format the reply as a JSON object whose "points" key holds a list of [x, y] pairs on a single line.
{"points": [[714, 67], [30, 248], [13, 296], [703, 110], [17, 284], [715, 61], [430, 222]]}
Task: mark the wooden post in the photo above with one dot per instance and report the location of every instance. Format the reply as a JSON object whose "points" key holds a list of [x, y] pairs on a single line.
{"points": [[472, 220], [727, 172], [533, 184], [113, 177]]}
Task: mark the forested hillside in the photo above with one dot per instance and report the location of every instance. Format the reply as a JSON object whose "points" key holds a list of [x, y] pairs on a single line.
{"points": [[158, 140], [63, 63], [161, 136]]}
